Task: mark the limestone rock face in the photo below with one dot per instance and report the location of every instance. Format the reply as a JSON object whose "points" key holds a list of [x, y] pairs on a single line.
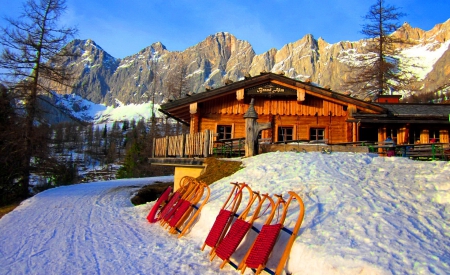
{"points": [[156, 73], [92, 70]]}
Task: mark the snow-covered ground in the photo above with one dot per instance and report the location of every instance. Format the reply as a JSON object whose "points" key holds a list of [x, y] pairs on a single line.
{"points": [[364, 215]]}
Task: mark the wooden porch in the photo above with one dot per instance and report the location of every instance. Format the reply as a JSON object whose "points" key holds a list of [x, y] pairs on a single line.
{"points": [[198, 145], [191, 149]]}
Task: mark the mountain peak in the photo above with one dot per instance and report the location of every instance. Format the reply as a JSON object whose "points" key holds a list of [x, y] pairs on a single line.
{"points": [[91, 43], [440, 32], [406, 32], [158, 47]]}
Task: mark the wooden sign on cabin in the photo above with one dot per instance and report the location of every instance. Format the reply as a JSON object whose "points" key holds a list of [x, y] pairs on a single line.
{"points": [[270, 90]]}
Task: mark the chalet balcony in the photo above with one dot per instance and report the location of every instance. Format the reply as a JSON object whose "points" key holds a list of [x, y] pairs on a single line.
{"points": [[197, 145], [184, 146]]}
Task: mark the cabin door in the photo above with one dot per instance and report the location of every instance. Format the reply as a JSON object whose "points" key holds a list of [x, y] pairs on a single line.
{"points": [[368, 133]]}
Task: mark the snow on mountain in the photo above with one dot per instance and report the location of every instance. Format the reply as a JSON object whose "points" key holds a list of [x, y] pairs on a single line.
{"points": [[85, 110], [424, 56], [126, 112]]}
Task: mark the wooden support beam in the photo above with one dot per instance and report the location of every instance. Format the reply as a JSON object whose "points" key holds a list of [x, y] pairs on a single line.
{"points": [[193, 108], [300, 95], [240, 94]]}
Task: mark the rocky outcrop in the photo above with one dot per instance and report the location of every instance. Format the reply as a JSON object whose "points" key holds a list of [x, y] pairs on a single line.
{"points": [[92, 70], [155, 72]]}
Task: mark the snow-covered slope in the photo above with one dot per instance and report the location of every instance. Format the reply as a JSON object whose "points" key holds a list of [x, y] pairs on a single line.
{"points": [[364, 215]]}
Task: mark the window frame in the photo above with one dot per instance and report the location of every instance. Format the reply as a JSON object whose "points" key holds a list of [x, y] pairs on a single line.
{"points": [[316, 135], [224, 134], [284, 135]]}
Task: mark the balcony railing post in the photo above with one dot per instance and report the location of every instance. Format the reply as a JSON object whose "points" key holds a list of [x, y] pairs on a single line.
{"points": [[166, 151], [183, 146], [154, 148], [206, 144]]}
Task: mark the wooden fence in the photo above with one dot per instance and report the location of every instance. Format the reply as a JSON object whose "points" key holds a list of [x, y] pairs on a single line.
{"points": [[185, 145]]}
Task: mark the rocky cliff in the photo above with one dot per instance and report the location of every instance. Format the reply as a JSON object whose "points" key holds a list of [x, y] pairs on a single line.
{"points": [[157, 73]]}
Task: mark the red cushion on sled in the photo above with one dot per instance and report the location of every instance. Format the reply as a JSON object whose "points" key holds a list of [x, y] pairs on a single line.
{"points": [[219, 225], [184, 205], [234, 237], [168, 211], [264, 244]]}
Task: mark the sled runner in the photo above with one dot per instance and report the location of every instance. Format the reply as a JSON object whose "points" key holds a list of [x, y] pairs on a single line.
{"points": [[225, 216], [287, 249], [259, 253], [153, 215]]}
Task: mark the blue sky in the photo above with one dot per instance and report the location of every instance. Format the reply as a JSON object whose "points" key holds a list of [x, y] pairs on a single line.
{"points": [[124, 27]]}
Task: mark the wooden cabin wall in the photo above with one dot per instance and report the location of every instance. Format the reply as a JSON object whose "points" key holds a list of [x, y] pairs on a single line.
{"points": [[310, 106], [237, 122], [272, 106], [312, 113], [335, 132], [224, 105], [443, 136]]}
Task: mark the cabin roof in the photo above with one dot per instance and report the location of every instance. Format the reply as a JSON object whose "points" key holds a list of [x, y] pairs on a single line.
{"points": [[408, 113], [178, 107], [417, 109]]}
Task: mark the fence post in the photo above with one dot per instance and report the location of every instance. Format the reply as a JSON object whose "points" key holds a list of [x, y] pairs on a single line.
{"points": [[206, 144], [183, 145], [154, 148], [166, 151], [433, 151]]}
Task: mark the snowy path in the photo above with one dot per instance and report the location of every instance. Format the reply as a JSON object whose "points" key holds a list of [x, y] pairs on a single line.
{"points": [[95, 230]]}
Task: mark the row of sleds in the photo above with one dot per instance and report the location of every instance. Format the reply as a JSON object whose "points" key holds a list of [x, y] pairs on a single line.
{"points": [[235, 234]]}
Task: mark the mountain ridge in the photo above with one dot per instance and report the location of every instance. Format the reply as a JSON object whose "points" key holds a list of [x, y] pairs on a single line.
{"points": [[155, 73]]}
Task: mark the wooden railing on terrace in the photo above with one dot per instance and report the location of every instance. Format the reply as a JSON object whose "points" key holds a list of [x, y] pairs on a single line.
{"points": [[185, 145]]}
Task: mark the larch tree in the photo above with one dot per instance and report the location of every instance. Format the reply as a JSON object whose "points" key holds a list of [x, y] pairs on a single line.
{"points": [[33, 45], [176, 87], [381, 69]]}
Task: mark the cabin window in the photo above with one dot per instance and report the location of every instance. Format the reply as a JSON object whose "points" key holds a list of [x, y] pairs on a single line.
{"points": [[317, 133], [224, 131], [285, 133], [391, 132], [434, 136], [414, 136]]}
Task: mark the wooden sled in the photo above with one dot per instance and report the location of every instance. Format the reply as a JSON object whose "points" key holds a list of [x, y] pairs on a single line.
{"points": [[181, 204], [186, 219], [187, 187], [225, 216], [259, 253], [239, 229], [153, 216]]}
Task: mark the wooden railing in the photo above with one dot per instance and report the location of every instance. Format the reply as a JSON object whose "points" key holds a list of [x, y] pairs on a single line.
{"points": [[184, 146]]}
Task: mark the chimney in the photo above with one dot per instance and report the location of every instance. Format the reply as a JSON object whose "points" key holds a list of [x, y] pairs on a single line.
{"points": [[388, 99]]}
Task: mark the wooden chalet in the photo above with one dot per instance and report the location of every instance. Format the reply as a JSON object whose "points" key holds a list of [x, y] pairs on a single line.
{"points": [[301, 111], [222, 122]]}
